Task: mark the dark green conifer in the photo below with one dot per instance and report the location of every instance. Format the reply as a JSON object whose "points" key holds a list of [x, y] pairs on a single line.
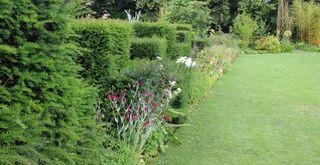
{"points": [[46, 110]]}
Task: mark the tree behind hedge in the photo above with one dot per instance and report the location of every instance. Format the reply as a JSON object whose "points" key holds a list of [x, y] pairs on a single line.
{"points": [[46, 110]]}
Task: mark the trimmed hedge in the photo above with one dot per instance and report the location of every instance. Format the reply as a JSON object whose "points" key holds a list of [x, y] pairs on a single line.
{"points": [[148, 48], [184, 45], [107, 45], [163, 30], [184, 27], [200, 43]]}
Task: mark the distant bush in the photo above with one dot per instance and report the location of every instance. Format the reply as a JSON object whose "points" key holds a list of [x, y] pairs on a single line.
{"points": [[244, 26], [149, 48], [162, 30], [269, 43]]}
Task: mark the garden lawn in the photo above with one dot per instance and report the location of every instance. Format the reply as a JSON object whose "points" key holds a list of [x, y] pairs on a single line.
{"points": [[266, 110]]}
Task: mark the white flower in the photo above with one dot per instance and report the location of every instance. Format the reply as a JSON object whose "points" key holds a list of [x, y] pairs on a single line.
{"points": [[169, 94], [177, 91], [89, 3], [194, 64], [159, 58], [161, 66], [188, 62], [181, 60], [172, 83], [105, 16]]}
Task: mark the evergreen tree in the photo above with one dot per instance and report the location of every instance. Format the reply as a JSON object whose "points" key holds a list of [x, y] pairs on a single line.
{"points": [[46, 110]]}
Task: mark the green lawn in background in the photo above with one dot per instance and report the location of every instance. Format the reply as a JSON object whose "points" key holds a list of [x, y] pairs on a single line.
{"points": [[266, 110]]}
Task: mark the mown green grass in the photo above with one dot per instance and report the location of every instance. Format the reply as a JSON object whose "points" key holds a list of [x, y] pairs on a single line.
{"points": [[266, 110]]}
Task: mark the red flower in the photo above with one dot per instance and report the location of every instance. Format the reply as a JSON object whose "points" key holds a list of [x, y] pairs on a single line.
{"points": [[129, 112], [165, 118], [150, 94], [134, 115], [143, 92], [133, 119], [145, 123], [126, 117], [153, 104], [146, 109], [112, 97], [127, 107], [147, 100]]}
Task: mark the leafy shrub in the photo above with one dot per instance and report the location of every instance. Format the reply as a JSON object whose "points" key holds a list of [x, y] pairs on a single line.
{"points": [[286, 47], [46, 111], [162, 30], [107, 45], [149, 48], [244, 26], [269, 43]]}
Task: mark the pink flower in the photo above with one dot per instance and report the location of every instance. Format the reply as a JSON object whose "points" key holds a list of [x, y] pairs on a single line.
{"points": [[127, 107], [129, 112], [165, 118], [112, 97], [146, 109], [150, 94], [153, 104], [134, 115], [138, 83], [143, 92], [133, 119], [147, 101], [145, 123], [126, 117]]}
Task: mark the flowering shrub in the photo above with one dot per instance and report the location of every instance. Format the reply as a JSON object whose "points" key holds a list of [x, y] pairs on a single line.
{"points": [[137, 114]]}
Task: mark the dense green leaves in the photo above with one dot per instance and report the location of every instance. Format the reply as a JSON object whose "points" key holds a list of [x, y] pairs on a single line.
{"points": [[149, 48], [46, 111]]}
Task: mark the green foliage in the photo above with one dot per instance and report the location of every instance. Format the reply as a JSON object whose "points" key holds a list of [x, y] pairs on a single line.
{"points": [[184, 45], [307, 47], [201, 42], [79, 8], [149, 48], [244, 26], [268, 43], [195, 13], [260, 10], [107, 45], [159, 29], [221, 12], [183, 27], [306, 17], [46, 111]]}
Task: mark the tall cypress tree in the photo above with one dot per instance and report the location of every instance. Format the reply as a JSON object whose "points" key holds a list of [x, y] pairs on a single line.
{"points": [[46, 110]]}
